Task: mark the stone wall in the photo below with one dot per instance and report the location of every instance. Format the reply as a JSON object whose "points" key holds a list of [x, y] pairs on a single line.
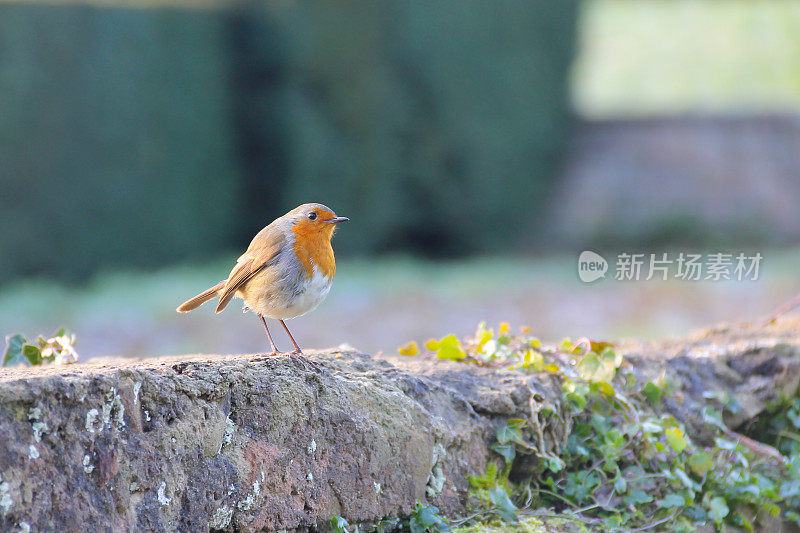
{"points": [[250, 443]]}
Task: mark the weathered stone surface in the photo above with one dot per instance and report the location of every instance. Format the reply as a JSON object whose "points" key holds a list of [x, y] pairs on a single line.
{"points": [[245, 442], [250, 443]]}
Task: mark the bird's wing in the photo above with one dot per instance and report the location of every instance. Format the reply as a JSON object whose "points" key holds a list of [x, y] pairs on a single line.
{"points": [[262, 251]]}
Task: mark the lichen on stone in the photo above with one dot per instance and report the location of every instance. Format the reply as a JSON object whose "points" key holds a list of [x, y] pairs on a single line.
{"points": [[312, 447], [136, 388], [33, 453], [436, 478], [87, 466], [162, 494], [39, 429], [91, 419], [227, 437], [221, 518], [113, 410], [5, 496], [247, 503]]}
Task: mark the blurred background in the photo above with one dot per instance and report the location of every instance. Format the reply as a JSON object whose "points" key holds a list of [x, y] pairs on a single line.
{"points": [[477, 147]]}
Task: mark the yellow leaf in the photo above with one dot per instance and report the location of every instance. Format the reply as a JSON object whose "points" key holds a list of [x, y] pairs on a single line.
{"points": [[606, 388], [432, 345], [504, 328], [410, 349], [552, 368], [676, 439], [450, 348]]}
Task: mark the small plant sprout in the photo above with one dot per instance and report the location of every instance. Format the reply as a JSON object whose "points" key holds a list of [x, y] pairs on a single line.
{"points": [[58, 349], [623, 461]]}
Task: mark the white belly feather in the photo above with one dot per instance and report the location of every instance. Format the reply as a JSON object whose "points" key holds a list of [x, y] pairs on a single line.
{"points": [[312, 293]]}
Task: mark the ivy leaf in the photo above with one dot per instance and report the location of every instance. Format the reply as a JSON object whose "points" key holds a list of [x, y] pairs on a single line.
{"points": [[511, 432], [652, 392], [426, 518], [718, 509], [597, 368], [33, 354], [431, 345], [701, 463], [713, 417], [506, 450], [339, 524], [409, 349], [790, 489], [555, 464], [676, 439], [638, 496], [672, 500], [447, 348], [620, 485], [505, 508], [13, 356]]}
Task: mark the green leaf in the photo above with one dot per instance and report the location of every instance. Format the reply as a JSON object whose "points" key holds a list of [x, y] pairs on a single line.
{"points": [[505, 507], [672, 500], [339, 524], [33, 354], [713, 418], [701, 463], [638, 496], [620, 485], [14, 356], [60, 332], [506, 450], [511, 432], [652, 392], [555, 464], [676, 439], [718, 509]]}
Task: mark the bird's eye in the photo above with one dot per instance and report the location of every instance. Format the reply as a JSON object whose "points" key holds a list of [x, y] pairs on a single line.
{"points": [[312, 215]]}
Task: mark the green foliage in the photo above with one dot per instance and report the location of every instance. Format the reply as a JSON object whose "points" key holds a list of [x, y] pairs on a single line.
{"points": [[457, 126], [423, 519], [59, 349], [131, 168], [626, 464]]}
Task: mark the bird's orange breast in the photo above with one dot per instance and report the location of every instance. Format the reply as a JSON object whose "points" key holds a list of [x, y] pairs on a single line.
{"points": [[313, 247]]}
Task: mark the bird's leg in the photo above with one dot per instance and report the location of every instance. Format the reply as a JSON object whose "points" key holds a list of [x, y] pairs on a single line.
{"points": [[297, 351], [269, 336], [788, 306]]}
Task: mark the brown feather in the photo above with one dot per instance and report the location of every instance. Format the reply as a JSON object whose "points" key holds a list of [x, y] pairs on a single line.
{"points": [[201, 298], [264, 248]]}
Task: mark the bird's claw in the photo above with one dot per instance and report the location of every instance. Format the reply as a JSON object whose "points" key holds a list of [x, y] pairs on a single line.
{"points": [[298, 356]]}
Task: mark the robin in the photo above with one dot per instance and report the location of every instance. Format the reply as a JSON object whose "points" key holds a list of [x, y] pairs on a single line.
{"points": [[286, 271]]}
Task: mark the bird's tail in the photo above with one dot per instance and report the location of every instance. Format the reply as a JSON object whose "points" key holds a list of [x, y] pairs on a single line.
{"points": [[201, 298]]}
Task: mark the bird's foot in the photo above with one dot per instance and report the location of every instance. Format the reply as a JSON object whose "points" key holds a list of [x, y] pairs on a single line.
{"points": [[297, 355]]}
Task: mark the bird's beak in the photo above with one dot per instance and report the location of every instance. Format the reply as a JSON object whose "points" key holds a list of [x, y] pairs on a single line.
{"points": [[336, 220]]}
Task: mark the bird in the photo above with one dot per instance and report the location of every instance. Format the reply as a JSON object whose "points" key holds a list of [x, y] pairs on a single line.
{"points": [[286, 271]]}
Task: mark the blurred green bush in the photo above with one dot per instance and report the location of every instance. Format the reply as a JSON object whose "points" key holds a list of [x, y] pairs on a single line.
{"points": [[115, 138], [139, 137]]}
